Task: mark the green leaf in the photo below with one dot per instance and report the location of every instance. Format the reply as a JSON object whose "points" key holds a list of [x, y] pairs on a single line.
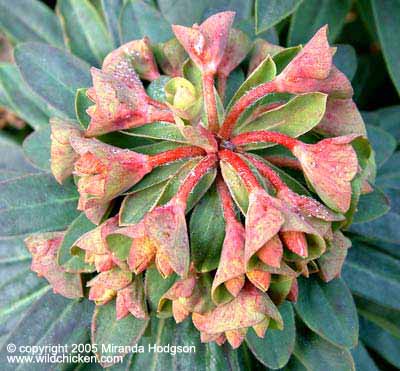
{"points": [[12, 158], [198, 191], [36, 148], [269, 13], [383, 317], [106, 331], [158, 130], [73, 262], [328, 309], [389, 120], [387, 20], [389, 173], [20, 98], [82, 103], [84, 31], [156, 286], [163, 333], [383, 229], [295, 118], [317, 354], [345, 59], [383, 143], [362, 359], [207, 232], [137, 204], [30, 20], [236, 186], [382, 342], [276, 348], [139, 19], [313, 14], [266, 71], [175, 11], [20, 287], [53, 74], [112, 11], [47, 206], [53, 320], [371, 206], [159, 175], [373, 275], [283, 58]]}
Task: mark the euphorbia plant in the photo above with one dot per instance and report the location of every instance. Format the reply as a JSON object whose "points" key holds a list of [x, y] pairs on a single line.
{"points": [[288, 114]]}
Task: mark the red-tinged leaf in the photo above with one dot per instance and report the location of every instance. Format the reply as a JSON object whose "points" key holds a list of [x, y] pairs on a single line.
{"points": [[271, 253], [263, 221], [142, 250], [331, 263], [342, 117], [237, 47], [44, 248], [206, 43], [105, 285], [236, 337], [308, 206], [131, 299], [295, 242], [62, 154], [187, 295], [314, 61], [105, 171], [312, 70], [95, 246], [231, 264], [259, 278], [330, 165], [249, 308], [166, 227], [138, 55]]}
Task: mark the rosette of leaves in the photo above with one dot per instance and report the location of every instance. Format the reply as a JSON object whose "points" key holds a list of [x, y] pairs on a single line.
{"points": [[176, 158]]}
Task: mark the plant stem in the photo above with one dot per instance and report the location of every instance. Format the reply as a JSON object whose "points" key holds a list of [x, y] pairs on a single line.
{"points": [[249, 179], [244, 102], [265, 136], [221, 85], [194, 176], [228, 207], [268, 173], [283, 161], [209, 102], [174, 155]]}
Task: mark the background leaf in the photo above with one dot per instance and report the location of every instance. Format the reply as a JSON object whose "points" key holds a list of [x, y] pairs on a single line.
{"points": [[107, 330], [139, 19], [46, 207], [387, 18], [313, 14], [52, 320], [53, 74], [84, 30], [367, 271], [276, 348], [269, 13], [337, 322], [37, 148], [30, 20]]}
